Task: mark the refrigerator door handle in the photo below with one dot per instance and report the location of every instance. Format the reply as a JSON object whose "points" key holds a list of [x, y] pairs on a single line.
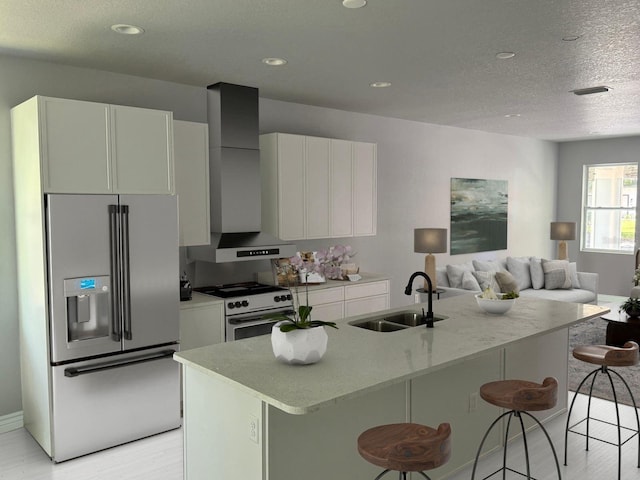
{"points": [[114, 234], [99, 367], [126, 290]]}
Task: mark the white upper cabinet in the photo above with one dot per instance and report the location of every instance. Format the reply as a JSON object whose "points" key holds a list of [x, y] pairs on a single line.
{"points": [[88, 147], [317, 187], [191, 152]]}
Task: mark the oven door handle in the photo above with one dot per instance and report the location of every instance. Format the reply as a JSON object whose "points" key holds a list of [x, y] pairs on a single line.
{"points": [[253, 318]]}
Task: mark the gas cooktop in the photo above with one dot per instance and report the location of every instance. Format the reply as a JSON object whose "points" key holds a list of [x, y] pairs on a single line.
{"points": [[233, 290]]}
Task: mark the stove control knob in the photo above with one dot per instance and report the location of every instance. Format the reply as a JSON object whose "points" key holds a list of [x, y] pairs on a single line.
{"points": [[276, 298], [283, 298], [245, 303], [289, 297], [238, 304], [231, 305]]}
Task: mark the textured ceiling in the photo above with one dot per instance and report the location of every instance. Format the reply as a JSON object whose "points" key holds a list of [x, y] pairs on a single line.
{"points": [[439, 55]]}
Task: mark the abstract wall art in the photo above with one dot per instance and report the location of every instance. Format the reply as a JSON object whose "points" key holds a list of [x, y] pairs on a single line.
{"points": [[479, 211]]}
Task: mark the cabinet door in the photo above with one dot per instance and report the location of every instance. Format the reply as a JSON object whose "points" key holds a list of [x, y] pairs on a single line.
{"points": [[142, 150], [75, 146], [291, 187], [317, 207], [201, 326], [366, 305], [191, 152], [328, 312], [341, 197], [364, 189]]}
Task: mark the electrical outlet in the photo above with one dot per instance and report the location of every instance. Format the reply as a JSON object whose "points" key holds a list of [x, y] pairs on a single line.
{"points": [[473, 402], [254, 429]]}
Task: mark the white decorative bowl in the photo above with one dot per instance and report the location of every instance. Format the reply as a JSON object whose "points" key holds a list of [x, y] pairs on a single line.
{"points": [[495, 306]]}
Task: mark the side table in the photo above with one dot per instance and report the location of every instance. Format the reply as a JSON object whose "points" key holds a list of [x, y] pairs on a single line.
{"points": [[620, 327]]}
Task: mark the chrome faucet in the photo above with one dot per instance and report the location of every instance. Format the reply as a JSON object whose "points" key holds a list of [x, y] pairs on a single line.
{"points": [[407, 291]]}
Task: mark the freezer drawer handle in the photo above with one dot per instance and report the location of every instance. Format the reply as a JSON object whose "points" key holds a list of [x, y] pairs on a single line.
{"points": [[77, 371]]}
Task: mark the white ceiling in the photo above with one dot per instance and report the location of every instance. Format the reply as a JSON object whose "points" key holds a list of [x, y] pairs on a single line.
{"points": [[438, 54]]}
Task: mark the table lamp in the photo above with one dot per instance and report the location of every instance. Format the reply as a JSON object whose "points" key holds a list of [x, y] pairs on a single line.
{"points": [[563, 231], [430, 241]]}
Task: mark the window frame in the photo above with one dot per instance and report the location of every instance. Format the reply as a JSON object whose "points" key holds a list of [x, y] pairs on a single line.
{"points": [[585, 209]]}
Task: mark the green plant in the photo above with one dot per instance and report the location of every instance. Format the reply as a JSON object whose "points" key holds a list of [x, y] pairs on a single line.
{"points": [[510, 295], [300, 319], [631, 307]]}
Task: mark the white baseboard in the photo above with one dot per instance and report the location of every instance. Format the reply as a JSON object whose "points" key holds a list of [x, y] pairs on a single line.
{"points": [[12, 421]]}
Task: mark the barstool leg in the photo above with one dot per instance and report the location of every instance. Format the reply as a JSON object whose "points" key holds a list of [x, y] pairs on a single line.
{"points": [[546, 434], [526, 448], [382, 474], [615, 402], [475, 463], [635, 409], [604, 370], [504, 450], [575, 395]]}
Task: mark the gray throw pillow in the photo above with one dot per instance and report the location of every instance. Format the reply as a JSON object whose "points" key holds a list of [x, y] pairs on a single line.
{"points": [[489, 265], [557, 274], [507, 282], [487, 279], [469, 282], [520, 269], [575, 283], [454, 273], [537, 274]]}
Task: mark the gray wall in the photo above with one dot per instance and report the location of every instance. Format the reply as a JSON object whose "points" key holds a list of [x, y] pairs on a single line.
{"points": [[415, 164], [616, 270]]}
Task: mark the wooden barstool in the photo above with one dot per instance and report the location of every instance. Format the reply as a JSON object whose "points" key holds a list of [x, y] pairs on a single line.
{"points": [[605, 356], [406, 447], [519, 397]]}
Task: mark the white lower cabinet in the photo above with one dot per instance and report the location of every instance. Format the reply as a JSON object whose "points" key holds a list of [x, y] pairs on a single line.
{"points": [[201, 323], [334, 303]]}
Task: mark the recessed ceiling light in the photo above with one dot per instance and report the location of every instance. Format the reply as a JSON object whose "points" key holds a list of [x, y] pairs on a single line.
{"points": [[505, 55], [590, 90], [274, 61], [512, 115], [127, 29], [380, 84], [354, 3], [571, 38]]}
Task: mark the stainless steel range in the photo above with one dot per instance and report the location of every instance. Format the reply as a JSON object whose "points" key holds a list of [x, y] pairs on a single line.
{"points": [[246, 304]]}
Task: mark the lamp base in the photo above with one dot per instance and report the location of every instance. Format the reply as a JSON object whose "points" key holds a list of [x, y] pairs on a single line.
{"points": [[430, 269], [563, 250]]}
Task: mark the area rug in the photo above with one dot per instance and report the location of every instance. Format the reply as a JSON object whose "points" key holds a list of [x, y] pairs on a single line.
{"points": [[593, 332]]}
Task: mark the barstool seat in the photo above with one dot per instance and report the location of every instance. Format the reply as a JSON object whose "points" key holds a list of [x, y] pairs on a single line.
{"points": [[519, 397], [605, 356], [406, 447]]}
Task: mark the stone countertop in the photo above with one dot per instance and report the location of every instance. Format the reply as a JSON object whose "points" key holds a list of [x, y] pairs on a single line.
{"points": [[360, 361], [199, 300], [367, 277]]}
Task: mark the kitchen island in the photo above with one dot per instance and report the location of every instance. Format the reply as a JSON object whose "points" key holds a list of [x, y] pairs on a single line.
{"points": [[249, 417]]}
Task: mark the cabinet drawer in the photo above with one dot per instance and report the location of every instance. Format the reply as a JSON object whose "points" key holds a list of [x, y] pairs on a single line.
{"points": [[366, 289], [327, 295], [366, 305], [328, 312]]}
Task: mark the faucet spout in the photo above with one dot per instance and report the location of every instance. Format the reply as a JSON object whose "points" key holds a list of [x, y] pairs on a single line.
{"points": [[409, 288]]}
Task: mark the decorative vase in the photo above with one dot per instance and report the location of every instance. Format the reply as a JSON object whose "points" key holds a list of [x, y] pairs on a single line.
{"points": [[635, 292], [632, 312], [300, 346]]}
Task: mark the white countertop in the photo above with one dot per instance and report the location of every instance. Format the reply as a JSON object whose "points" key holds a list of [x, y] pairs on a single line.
{"points": [[359, 361], [199, 300]]}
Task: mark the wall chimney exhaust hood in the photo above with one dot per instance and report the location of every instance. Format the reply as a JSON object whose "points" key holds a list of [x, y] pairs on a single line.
{"points": [[234, 166]]}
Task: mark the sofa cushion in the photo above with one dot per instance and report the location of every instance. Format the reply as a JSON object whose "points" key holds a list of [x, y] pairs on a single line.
{"points": [[576, 295], [557, 274], [537, 274], [489, 265], [507, 282], [455, 272], [486, 280], [520, 269], [469, 282]]}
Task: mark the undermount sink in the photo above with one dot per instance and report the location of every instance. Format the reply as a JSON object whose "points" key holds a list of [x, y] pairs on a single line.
{"points": [[394, 322]]}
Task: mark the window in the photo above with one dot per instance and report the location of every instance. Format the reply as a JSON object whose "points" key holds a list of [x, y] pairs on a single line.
{"points": [[609, 207]]}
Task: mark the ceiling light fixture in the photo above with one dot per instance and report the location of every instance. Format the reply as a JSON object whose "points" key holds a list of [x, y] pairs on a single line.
{"points": [[274, 61], [505, 55], [380, 84], [590, 90], [125, 29], [354, 3]]}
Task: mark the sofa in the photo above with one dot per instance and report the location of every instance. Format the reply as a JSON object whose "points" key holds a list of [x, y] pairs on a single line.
{"points": [[529, 276]]}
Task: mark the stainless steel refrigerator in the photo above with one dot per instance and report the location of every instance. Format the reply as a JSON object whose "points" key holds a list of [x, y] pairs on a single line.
{"points": [[113, 306]]}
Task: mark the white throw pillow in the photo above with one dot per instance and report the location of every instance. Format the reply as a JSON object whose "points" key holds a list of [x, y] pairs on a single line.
{"points": [[557, 274], [487, 279], [489, 265], [469, 282], [575, 283], [537, 274], [455, 272], [521, 271]]}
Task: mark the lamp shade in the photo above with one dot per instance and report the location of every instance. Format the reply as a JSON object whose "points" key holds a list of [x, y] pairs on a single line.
{"points": [[430, 240], [563, 230]]}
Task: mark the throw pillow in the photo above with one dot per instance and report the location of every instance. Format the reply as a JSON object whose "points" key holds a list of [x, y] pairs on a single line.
{"points": [[486, 280], [575, 283], [507, 282], [469, 282], [489, 266], [557, 274], [454, 273], [537, 274], [520, 269]]}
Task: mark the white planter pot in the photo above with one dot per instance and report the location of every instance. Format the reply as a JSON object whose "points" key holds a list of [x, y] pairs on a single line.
{"points": [[300, 346]]}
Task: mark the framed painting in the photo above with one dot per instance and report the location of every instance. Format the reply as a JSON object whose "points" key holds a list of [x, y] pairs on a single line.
{"points": [[479, 211]]}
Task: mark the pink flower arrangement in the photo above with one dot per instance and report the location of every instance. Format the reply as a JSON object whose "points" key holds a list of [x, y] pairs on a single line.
{"points": [[325, 262]]}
